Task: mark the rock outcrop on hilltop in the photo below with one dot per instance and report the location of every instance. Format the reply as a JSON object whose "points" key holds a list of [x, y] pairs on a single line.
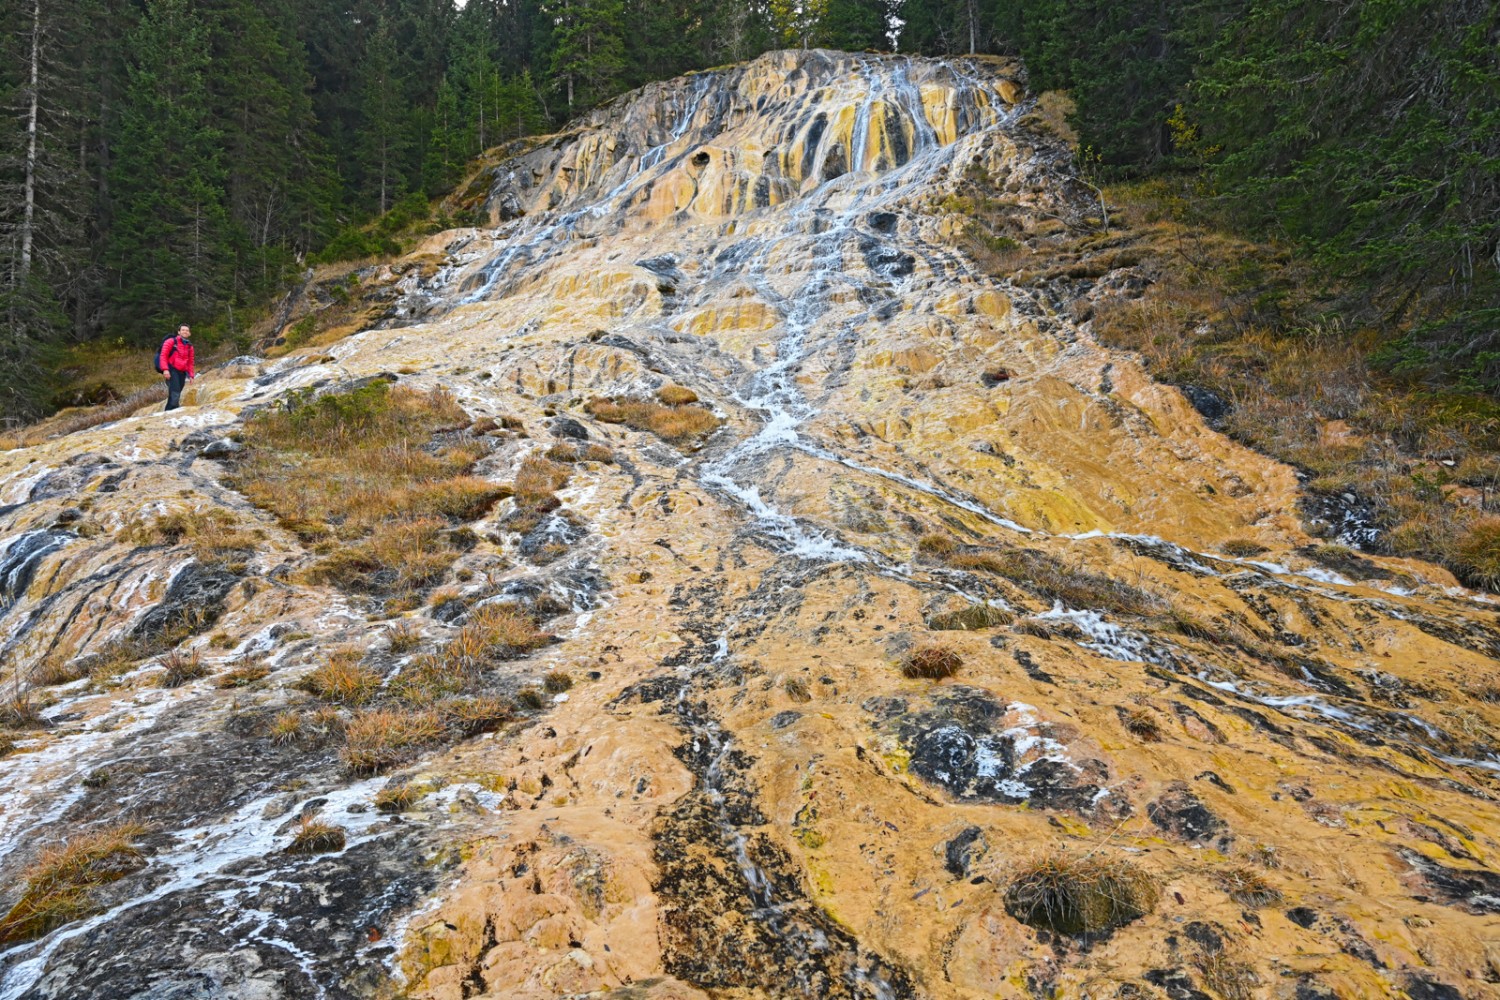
{"points": [[703, 582]]}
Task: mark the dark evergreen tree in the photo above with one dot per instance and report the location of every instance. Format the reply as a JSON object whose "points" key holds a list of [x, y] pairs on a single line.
{"points": [[588, 52], [169, 240], [853, 25], [385, 140]]}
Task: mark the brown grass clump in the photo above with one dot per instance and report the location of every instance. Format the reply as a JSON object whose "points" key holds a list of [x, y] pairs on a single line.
{"points": [[215, 536], [286, 727], [563, 452], [1247, 886], [598, 453], [681, 425], [975, 616], [676, 395], [243, 676], [1242, 548], [382, 737], [538, 478], [932, 663], [343, 679], [557, 682], [180, 668], [313, 836], [60, 884], [531, 699], [936, 544], [1080, 896], [1476, 555], [52, 671], [20, 711], [1140, 723], [359, 468], [472, 716], [397, 799], [404, 637]]}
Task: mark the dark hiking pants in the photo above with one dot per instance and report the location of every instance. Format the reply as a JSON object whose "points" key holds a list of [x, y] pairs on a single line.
{"points": [[175, 381]]}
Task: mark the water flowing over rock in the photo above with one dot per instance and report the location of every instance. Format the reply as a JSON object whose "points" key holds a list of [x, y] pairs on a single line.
{"points": [[757, 785]]}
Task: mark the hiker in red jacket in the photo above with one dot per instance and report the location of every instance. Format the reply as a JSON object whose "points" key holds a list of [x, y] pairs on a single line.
{"points": [[175, 362]]}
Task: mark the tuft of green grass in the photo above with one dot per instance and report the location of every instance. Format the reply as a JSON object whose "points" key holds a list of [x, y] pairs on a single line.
{"points": [[60, 884], [1080, 896]]}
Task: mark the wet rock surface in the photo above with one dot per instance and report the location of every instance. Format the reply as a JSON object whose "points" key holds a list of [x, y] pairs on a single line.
{"points": [[724, 783]]}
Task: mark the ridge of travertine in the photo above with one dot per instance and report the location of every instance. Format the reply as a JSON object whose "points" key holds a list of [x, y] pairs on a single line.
{"points": [[742, 796]]}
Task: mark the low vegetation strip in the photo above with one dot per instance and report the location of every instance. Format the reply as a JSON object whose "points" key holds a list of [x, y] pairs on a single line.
{"points": [[376, 478], [60, 884]]}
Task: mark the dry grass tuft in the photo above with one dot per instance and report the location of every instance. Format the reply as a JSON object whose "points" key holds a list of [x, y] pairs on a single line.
{"points": [[214, 535], [681, 425], [313, 836], [557, 682], [20, 711], [935, 544], [531, 699], [932, 663], [1080, 896], [404, 637], [60, 884], [180, 668], [975, 616], [1242, 548], [1247, 886], [538, 478], [598, 453], [472, 716], [676, 395], [287, 727], [383, 737], [1140, 723], [343, 679], [54, 670], [397, 799], [243, 676]]}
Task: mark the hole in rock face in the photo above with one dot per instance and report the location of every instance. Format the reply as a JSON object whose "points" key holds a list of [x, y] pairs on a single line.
{"points": [[701, 159]]}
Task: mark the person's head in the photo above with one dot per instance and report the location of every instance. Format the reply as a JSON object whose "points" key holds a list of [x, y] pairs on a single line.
{"points": [[183, 331]]}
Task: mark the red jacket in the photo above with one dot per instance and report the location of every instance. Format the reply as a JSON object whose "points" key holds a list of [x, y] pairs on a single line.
{"points": [[177, 353]]}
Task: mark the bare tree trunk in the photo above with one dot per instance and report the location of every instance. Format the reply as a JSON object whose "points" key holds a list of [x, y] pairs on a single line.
{"points": [[28, 220]]}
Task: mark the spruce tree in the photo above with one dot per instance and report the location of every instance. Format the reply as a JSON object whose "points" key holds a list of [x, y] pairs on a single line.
{"points": [[588, 54], [384, 138], [169, 238]]}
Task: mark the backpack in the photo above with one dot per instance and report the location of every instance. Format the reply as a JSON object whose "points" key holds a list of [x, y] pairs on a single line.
{"points": [[163, 347]]}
